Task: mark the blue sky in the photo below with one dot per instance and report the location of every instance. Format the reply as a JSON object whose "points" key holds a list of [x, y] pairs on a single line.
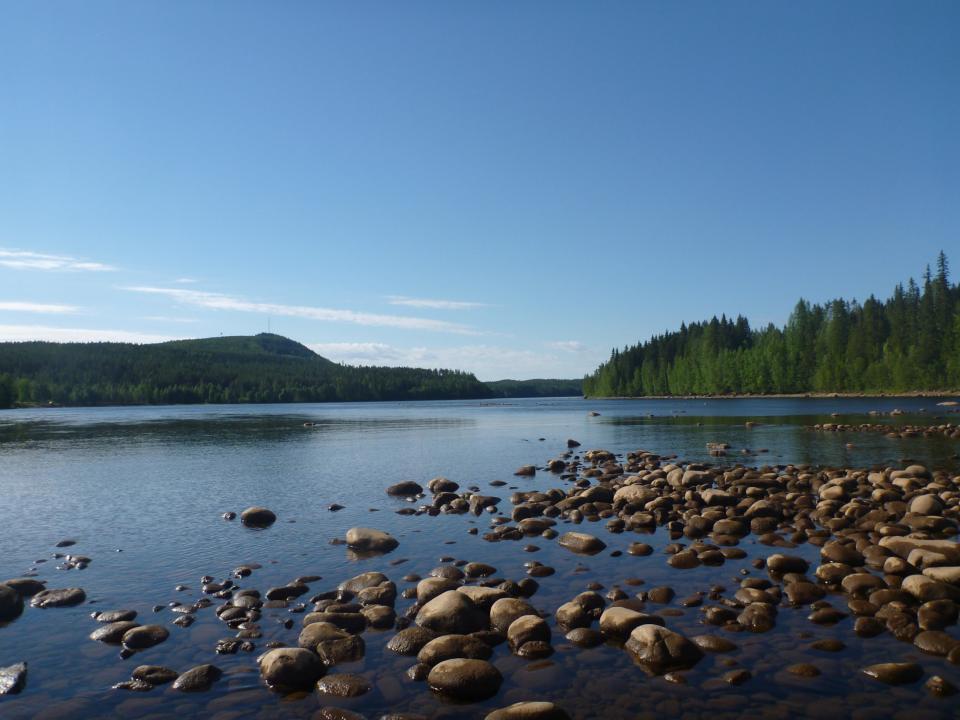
{"points": [[508, 188]]}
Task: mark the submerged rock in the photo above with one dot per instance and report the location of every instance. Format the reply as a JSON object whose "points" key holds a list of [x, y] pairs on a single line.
{"points": [[198, 679], [369, 540], [659, 650], [11, 604], [465, 679], [63, 597], [258, 517], [289, 669], [894, 673], [13, 678], [536, 710]]}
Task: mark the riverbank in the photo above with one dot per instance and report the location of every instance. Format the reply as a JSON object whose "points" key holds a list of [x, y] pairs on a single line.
{"points": [[947, 395]]}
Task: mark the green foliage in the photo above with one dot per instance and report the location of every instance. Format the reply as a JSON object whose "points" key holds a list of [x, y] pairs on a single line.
{"points": [[536, 388], [260, 369], [909, 342]]}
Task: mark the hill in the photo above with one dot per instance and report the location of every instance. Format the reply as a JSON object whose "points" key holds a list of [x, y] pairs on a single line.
{"points": [[242, 369], [909, 342]]}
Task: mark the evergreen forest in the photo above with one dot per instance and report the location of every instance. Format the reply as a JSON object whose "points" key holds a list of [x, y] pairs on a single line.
{"points": [[908, 342]]}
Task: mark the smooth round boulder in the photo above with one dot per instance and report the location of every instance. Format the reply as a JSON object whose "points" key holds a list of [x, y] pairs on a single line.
{"points": [[369, 540], [448, 647], [198, 679], [112, 633], [154, 674], [144, 636], [582, 543], [11, 603], [504, 611], [536, 710], [409, 641], [25, 587], [659, 650], [465, 679], [291, 668], [258, 517], [528, 628], [451, 613], [407, 488]]}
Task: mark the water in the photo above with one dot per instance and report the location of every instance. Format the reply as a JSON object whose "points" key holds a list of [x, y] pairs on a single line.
{"points": [[142, 491]]}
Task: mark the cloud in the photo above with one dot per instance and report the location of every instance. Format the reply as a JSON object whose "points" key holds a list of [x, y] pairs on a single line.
{"points": [[26, 260], [218, 301], [488, 362], [168, 319], [434, 304], [185, 281], [571, 346], [19, 333], [38, 308]]}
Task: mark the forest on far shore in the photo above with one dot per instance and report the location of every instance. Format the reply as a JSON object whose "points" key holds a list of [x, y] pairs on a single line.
{"points": [[908, 342]]}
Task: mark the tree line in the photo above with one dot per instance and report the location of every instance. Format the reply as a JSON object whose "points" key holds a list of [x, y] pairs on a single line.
{"points": [[258, 369], [910, 341]]}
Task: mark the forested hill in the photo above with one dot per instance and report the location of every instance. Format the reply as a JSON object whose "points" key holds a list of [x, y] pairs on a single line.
{"points": [[910, 341], [536, 388], [243, 369]]}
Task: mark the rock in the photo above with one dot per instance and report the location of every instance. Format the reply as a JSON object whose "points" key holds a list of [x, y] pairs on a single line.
{"points": [[803, 670], [198, 679], [13, 678], [538, 710], [25, 587], [465, 679], [659, 650], [448, 647], [286, 592], [368, 540], [291, 669], [506, 610], [582, 543], [949, 574], [713, 643], [451, 613], [343, 649], [258, 517], [618, 622], [64, 597], [407, 488], [940, 687], [431, 587], [894, 673], [925, 589], [903, 546], [925, 505], [112, 616], [133, 685], [144, 636], [363, 581], [11, 603], [526, 470], [482, 597], [442, 484], [585, 637], [527, 628], [112, 633], [343, 685], [782, 564], [154, 674], [935, 642], [410, 640]]}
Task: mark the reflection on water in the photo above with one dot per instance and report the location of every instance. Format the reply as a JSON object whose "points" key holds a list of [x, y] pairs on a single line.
{"points": [[142, 491]]}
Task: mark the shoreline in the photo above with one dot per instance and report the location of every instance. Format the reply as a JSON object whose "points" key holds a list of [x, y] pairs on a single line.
{"points": [[950, 394]]}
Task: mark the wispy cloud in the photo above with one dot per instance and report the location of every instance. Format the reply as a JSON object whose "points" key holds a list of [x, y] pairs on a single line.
{"points": [[218, 301], [489, 362], [433, 304], [169, 319], [27, 260], [185, 281], [30, 307], [20, 333]]}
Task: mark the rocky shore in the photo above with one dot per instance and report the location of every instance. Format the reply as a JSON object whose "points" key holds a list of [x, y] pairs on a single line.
{"points": [[868, 554]]}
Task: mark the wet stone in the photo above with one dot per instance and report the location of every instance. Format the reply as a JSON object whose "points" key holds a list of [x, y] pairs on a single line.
{"points": [[63, 597], [803, 670], [154, 674], [465, 679], [13, 678], [145, 636], [894, 673], [343, 685], [198, 679]]}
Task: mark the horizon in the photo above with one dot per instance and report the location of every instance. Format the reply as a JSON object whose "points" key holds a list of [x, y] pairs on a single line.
{"points": [[509, 191]]}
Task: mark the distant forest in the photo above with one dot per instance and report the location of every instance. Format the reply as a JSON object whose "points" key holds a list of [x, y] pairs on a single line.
{"points": [[535, 388], [257, 369], [911, 341]]}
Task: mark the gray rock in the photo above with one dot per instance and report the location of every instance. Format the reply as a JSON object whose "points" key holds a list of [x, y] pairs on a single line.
{"points": [[503, 612], [198, 679], [144, 636], [112, 633], [343, 685], [406, 488], [11, 603], [448, 647], [258, 517], [63, 597], [154, 674], [409, 641], [25, 587], [291, 669], [13, 678], [535, 710], [368, 540], [112, 616], [659, 650], [451, 613], [582, 543]]}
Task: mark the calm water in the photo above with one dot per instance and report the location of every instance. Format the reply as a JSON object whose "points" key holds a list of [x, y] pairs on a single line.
{"points": [[142, 491]]}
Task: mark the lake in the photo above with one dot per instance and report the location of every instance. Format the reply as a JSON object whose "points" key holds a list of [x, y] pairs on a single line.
{"points": [[142, 491]]}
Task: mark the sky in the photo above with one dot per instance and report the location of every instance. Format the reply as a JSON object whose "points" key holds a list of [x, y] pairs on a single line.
{"points": [[509, 188]]}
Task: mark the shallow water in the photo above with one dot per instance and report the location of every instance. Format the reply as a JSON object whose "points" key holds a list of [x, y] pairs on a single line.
{"points": [[142, 491]]}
